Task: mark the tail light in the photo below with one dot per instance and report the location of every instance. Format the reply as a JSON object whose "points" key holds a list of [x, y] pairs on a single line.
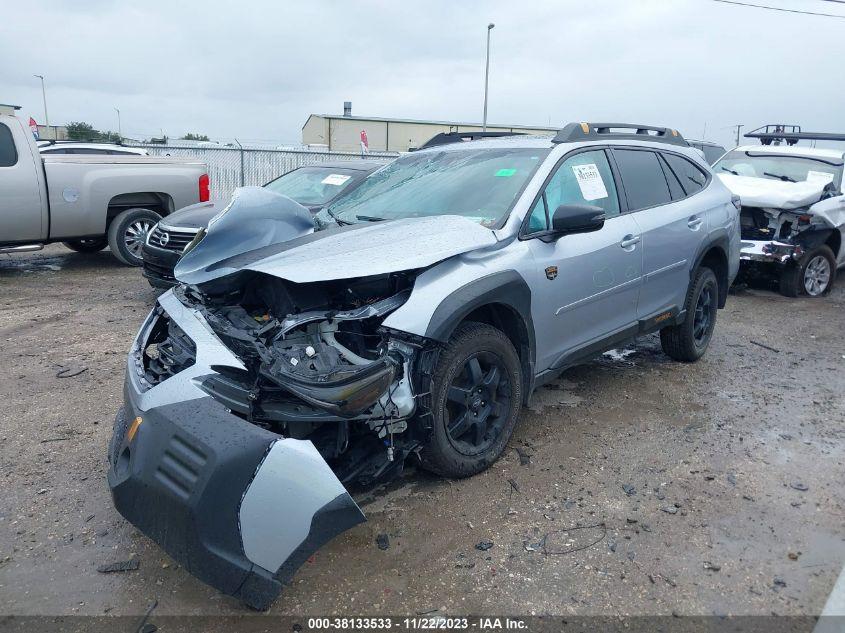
{"points": [[205, 188]]}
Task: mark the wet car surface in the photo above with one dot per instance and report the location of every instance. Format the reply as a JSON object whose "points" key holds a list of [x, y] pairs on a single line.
{"points": [[697, 489]]}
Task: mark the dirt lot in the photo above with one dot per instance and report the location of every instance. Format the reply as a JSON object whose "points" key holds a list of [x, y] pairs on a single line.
{"points": [[710, 488]]}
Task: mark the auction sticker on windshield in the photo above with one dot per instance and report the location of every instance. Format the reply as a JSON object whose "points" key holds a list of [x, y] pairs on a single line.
{"points": [[335, 179], [590, 182]]}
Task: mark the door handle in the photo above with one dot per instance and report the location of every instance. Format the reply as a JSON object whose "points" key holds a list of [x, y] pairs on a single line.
{"points": [[629, 242], [694, 222]]}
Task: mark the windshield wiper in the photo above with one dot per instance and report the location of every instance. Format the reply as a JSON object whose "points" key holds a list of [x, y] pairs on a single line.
{"points": [[735, 173], [780, 177], [337, 219], [370, 218]]}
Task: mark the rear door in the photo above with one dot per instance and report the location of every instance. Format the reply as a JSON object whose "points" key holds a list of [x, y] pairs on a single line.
{"points": [[22, 212], [671, 223], [586, 285]]}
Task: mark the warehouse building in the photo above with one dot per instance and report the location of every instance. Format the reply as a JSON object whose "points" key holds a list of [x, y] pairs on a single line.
{"points": [[342, 133]]}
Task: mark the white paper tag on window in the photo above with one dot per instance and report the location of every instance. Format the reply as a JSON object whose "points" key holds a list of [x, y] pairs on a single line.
{"points": [[590, 182], [335, 179], [819, 176]]}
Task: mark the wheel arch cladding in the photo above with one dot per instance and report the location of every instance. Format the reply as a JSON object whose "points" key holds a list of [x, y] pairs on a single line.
{"points": [[501, 299], [714, 256]]}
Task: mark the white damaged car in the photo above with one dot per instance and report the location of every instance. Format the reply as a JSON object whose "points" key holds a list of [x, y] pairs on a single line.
{"points": [[793, 212]]}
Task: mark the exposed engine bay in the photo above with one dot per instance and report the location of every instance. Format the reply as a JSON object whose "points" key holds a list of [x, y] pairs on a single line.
{"points": [[319, 366]]}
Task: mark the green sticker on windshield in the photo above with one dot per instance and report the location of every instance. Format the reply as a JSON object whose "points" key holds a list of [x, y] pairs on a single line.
{"points": [[505, 173]]}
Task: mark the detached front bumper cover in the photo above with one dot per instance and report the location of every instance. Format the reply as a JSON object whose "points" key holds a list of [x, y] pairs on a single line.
{"points": [[240, 507]]}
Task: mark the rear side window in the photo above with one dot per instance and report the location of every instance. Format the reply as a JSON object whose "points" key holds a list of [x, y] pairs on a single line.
{"points": [[8, 153], [642, 176], [691, 177]]}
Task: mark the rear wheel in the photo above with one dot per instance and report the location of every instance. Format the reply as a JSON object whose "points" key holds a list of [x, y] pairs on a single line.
{"points": [[476, 394], [688, 341], [813, 275], [87, 244], [128, 232]]}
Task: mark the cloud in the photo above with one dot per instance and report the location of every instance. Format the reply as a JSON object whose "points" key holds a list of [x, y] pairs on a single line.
{"points": [[255, 70]]}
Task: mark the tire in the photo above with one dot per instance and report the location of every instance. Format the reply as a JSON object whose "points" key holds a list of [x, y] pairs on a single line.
{"points": [[87, 245], [127, 233], [812, 276], [688, 341], [465, 366]]}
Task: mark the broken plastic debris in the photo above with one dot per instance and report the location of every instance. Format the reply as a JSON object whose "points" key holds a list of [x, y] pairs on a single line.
{"points": [[125, 565]]}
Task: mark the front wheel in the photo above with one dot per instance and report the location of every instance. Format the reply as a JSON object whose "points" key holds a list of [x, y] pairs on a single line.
{"points": [[476, 394], [128, 232], [813, 275], [688, 341], [87, 244]]}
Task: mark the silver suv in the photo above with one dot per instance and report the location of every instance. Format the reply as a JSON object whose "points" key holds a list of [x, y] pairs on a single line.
{"points": [[413, 318]]}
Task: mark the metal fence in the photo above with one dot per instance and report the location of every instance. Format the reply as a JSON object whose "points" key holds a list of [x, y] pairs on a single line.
{"points": [[232, 167]]}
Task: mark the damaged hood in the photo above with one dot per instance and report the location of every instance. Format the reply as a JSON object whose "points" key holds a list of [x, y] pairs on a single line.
{"points": [[773, 194], [288, 247]]}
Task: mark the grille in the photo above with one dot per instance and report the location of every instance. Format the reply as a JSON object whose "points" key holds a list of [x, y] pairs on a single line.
{"points": [[174, 352], [171, 239]]}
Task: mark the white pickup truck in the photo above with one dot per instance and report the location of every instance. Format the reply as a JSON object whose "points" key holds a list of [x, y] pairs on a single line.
{"points": [[87, 202]]}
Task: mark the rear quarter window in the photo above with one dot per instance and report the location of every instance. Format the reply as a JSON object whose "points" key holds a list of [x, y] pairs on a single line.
{"points": [[8, 151], [691, 177]]}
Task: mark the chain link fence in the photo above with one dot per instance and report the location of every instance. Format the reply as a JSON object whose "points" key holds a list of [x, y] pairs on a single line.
{"points": [[233, 167]]}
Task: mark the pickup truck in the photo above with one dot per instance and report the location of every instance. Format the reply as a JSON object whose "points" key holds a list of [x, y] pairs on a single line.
{"points": [[88, 202]]}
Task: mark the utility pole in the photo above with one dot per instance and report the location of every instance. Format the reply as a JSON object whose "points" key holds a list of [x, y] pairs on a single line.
{"points": [[44, 97], [119, 133], [486, 76], [738, 127]]}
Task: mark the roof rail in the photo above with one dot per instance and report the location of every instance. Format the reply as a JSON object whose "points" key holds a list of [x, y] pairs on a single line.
{"points": [[790, 134], [574, 132], [70, 141], [445, 138]]}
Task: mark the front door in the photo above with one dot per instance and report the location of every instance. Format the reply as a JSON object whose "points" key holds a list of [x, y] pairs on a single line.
{"points": [[586, 285]]}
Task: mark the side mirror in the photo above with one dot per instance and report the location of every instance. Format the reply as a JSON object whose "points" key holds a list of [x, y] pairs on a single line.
{"points": [[577, 218]]}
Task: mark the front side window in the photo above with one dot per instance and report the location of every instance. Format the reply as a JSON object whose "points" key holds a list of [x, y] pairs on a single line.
{"points": [[642, 176], [759, 164], [584, 178], [8, 153], [480, 184]]}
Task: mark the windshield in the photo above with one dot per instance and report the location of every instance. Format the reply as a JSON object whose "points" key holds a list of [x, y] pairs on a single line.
{"points": [[479, 184], [780, 167], [314, 185]]}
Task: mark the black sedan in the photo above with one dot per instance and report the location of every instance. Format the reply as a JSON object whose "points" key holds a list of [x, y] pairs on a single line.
{"points": [[313, 187]]}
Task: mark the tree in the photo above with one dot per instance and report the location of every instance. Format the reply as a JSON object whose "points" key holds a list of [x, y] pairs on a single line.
{"points": [[190, 136], [80, 131]]}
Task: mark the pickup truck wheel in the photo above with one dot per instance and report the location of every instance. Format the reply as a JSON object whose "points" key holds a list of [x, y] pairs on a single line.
{"points": [[688, 341], [87, 245], [128, 232], [813, 275], [476, 394]]}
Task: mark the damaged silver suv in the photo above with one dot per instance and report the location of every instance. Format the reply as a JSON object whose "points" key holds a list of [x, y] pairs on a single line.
{"points": [[300, 357]]}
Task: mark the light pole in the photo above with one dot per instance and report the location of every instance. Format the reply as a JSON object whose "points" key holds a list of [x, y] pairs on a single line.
{"points": [[738, 127], [119, 133], [44, 96], [486, 76]]}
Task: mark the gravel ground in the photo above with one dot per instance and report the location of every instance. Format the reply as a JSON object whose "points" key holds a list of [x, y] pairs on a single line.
{"points": [[713, 488]]}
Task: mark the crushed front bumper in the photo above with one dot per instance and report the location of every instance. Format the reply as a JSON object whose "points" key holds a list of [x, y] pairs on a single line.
{"points": [[769, 251], [239, 507]]}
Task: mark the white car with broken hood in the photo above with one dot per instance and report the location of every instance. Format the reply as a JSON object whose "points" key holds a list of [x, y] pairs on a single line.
{"points": [[793, 212]]}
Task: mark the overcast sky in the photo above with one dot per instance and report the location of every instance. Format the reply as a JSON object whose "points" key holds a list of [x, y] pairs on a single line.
{"points": [[255, 70]]}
